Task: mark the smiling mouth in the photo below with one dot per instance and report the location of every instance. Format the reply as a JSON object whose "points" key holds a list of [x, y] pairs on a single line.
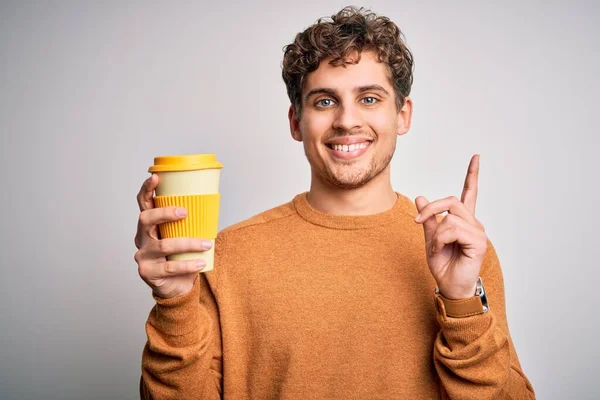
{"points": [[350, 151], [348, 148]]}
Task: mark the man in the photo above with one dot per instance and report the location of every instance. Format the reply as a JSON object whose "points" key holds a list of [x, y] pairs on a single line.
{"points": [[332, 294]]}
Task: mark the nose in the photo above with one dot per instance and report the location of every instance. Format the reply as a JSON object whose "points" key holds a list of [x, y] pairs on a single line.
{"points": [[347, 118]]}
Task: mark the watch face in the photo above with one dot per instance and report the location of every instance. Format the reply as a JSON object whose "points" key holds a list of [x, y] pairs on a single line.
{"points": [[480, 291], [479, 287]]}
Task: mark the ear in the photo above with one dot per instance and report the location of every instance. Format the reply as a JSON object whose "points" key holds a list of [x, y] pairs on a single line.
{"points": [[294, 125], [405, 116]]}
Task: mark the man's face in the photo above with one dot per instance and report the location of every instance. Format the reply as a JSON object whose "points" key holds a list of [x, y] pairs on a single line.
{"points": [[349, 121]]}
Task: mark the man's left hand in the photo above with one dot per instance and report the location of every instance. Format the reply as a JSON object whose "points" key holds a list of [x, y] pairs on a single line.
{"points": [[456, 246]]}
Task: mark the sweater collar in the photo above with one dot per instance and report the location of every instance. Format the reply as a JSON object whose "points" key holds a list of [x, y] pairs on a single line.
{"points": [[400, 209]]}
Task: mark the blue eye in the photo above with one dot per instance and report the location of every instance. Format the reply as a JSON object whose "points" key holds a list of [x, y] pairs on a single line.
{"points": [[322, 103], [372, 100]]}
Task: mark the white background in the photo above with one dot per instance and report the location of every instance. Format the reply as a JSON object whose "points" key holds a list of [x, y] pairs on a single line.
{"points": [[90, 92]]}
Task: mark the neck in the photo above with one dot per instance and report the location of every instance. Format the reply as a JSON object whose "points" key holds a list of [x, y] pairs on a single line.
{"points": [[376, 196]]}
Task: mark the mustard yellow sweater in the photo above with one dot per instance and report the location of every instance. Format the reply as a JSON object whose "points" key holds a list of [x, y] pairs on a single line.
{"points": [[307, 305]]}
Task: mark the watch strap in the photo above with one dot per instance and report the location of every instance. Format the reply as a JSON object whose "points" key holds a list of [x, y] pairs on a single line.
{"points": [[462, 308]]}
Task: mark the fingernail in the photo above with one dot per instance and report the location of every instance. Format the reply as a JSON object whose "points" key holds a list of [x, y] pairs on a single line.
{"points": [[201, 264], [418, 217], [207, 245], [181, 212]]}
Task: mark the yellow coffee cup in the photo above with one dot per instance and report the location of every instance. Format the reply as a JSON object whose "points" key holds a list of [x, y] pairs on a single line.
{"points": [[190, 181]]}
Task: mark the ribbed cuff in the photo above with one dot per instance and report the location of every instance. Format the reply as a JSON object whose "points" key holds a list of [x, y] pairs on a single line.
{"points": [[463, 331], [179, 315]]}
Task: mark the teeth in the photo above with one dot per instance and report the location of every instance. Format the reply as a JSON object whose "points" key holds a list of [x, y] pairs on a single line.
{"points": [[348, 148]]}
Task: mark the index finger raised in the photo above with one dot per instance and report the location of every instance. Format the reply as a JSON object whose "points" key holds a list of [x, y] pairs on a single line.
{"points": [[469, 193]]}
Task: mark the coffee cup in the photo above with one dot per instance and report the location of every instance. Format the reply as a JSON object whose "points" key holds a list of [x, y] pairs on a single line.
{"points": [[190, 181]]}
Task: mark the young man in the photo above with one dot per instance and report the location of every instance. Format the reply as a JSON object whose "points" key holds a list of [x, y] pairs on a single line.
{"points": [[332, 294]]}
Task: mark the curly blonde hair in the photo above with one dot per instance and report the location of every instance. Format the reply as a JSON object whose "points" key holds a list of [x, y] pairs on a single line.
{"points": [[352, 30]]}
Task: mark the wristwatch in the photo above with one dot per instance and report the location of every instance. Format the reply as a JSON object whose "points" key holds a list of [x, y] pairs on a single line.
{"points": [[462, 308]]}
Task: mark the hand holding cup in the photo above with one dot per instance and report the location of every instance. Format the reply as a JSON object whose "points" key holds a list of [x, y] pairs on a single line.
{"points": [[167, 278]]}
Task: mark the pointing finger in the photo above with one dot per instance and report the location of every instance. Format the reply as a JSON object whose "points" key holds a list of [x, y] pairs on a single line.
{"points": [[469, 194]]}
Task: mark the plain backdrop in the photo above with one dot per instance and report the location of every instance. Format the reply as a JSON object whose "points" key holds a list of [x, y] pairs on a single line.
{"points": [[91, 91]]}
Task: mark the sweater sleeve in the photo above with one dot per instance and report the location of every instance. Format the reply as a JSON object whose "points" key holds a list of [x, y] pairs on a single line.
{"points": [[474, 356], [182, 358]]}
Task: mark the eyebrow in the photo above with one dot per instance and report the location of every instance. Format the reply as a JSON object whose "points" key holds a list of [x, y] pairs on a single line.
{"points": [[357, 89]]}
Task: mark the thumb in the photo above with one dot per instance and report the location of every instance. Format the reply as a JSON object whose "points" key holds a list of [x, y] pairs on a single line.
{"points": [[431, 224], [421, 202]]}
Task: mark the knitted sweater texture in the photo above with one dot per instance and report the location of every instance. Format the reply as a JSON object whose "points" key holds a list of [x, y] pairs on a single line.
{"points": [[307, 305]]}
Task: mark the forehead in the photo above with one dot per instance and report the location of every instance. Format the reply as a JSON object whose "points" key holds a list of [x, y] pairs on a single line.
{"points": [[368, 71]]}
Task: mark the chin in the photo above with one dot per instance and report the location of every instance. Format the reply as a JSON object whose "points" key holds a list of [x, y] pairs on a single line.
{"points": [[351, 176], [349, 179], [348, 185]]}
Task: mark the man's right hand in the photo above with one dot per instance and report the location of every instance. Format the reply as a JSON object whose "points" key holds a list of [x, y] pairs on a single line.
{"points": [[166, 278]]}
